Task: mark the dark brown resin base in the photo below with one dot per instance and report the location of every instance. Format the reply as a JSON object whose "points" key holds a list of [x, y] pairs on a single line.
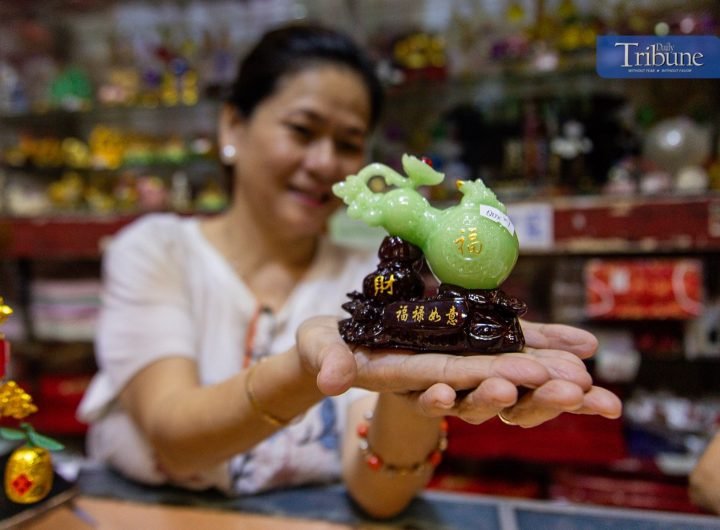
{"points": [[392, 312]]}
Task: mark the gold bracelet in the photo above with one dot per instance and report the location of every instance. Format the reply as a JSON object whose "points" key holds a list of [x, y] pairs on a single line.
{"points": [[269, 418]]}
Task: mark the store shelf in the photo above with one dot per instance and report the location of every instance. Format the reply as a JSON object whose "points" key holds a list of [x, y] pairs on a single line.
{"points": [[110, 113], [575, 76], [592, 225], [56, 237], [157, 164], [636, 225], [579, 225]]}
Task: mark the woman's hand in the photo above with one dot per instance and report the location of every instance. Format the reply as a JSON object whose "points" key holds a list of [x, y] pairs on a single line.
{"points": [[474, 388], [537, 406], [705, 478]]}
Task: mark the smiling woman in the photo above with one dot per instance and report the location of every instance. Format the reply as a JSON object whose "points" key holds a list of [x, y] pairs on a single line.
{"points": [[304, 138], [192, 305]]}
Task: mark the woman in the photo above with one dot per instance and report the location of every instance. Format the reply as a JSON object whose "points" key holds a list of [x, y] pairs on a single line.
{"points": [[704, 480], [190, 305]]}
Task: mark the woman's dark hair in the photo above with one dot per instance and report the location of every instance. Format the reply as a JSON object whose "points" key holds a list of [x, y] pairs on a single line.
{"points": [[290, 49]]}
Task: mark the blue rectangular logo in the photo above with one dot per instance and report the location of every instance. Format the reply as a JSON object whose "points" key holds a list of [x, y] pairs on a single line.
{"points": [[634, 56]]}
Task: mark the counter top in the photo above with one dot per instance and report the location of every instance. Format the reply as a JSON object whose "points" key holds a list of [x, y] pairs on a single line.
{"points": [[108, 501]]}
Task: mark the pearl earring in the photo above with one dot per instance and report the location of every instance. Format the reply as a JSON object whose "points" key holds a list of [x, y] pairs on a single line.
{"points": [[227, 154]]}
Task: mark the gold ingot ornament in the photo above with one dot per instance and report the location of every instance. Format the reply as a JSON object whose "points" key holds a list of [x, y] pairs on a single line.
{"points": [[28, 474], [29, 469]]}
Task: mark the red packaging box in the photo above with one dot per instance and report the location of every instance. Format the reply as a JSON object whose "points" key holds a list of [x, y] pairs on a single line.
{"points": [[568, 439], [644, 288], [57, 397]]}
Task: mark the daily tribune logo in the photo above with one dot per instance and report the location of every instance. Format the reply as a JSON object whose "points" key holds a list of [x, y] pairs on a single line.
{"points": [[658, 57]]}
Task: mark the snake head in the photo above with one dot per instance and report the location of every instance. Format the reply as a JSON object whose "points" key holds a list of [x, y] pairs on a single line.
{"points": [[420, 173], [476, 192], [349, 189]]}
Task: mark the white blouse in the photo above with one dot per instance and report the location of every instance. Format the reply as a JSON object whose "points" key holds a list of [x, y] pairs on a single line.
{"points": [[168, 292]]}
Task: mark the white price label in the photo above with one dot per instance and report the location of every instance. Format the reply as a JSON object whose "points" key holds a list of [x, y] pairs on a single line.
{"points": [[496, 215]]}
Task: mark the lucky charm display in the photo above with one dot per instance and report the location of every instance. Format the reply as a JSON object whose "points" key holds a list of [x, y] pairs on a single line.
{"points": [[471, 248], [29, 470]]}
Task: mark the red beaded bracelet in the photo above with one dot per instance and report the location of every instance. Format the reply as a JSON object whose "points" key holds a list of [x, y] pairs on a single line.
{"points": [[376, 463]]}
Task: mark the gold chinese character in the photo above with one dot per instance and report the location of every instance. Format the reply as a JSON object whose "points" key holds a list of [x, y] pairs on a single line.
{"points": [[434, 316], [452, 316], [473, 245], [418, 314], [460, 242], [402, 313], [384, 286]]}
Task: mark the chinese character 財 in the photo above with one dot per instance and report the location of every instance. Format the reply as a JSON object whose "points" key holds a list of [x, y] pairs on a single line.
{"points": [[384, 286]]}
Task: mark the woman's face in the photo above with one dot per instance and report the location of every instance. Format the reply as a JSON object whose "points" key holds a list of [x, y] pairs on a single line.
{"points": [[308, 135]]}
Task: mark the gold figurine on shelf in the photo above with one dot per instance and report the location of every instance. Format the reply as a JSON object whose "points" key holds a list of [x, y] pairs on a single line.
{"points": [[29, 470]]}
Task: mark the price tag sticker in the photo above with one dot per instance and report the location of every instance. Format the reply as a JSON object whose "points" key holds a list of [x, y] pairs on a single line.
{"points": [[534, 225], [496, 215]]}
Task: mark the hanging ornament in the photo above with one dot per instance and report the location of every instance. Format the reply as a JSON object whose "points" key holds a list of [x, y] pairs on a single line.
{"points": [[15, 402], [515, 13], [5, 312], [29, 470], [567, 10]]}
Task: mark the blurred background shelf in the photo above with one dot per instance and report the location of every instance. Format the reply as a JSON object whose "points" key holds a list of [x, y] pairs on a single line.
{"points": [[58, 237], [574, 225]]}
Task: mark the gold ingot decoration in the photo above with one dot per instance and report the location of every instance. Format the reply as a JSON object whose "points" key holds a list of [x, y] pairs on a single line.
{"points": [[15, 402], [67, 191], [107, 147], [28, 474], [5, 311], [29, 471], [76, 153]]}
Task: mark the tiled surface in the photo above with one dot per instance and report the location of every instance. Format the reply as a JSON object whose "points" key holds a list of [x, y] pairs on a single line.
{"points": [[610, 520], [432, 511]]}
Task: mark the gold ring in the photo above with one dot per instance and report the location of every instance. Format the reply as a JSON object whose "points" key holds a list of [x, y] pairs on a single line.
{"points": [[505, 420]]}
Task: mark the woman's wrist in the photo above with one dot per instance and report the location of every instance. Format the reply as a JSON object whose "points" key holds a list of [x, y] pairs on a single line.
{"points": [[278, 389], [377, 462], [396, 405], [402, 437]]}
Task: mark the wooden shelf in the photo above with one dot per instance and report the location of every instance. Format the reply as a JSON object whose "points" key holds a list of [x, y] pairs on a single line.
{"points": [[58, 237], [579, 225], [620, 224]]}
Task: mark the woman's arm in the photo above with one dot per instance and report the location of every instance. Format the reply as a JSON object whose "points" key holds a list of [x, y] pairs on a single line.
{"points": [[705, 478], [406, 428], [193, 427], [402, 439]]}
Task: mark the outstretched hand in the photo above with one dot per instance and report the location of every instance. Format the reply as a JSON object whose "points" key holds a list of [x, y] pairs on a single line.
{"points": [[537, 406], [474, 388]]}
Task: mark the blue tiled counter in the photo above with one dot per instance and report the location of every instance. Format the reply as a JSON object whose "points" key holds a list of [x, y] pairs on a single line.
{"points": [[431, 511]]}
